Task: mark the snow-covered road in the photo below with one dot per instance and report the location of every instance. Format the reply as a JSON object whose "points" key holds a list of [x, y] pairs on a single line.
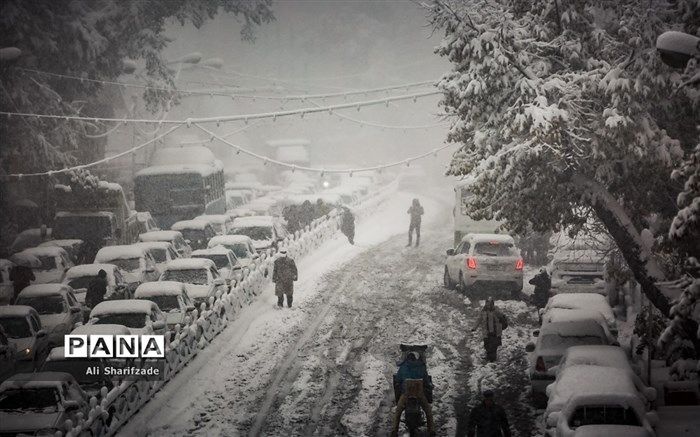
{"points": [[324, 367]]}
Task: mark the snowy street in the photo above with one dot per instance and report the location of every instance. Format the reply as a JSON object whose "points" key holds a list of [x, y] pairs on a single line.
{"points": [[324, 367]]}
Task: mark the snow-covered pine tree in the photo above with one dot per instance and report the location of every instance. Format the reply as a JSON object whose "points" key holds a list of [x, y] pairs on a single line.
{"points": [[566, 115]]}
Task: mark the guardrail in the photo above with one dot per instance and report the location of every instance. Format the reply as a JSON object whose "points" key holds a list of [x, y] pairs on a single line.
{"points": [[117, 405]]}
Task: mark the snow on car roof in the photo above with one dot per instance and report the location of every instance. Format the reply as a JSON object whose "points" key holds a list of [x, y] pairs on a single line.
{"points": [[216, 250], [189, 264], [89, 270], [256, 220], [577, 328], [159, 236], [577, 380], [154, 244], [21, 381], [189, 224], [15, 310], [159, 288], [572, 315], [85, 214], [229, 239], [121, 307], [44, 251], [213, 218], [38, 290], [102, 329], [593, 301], [6, 263], [608, 356], [61, 243], [500, 238], [110, 253]]}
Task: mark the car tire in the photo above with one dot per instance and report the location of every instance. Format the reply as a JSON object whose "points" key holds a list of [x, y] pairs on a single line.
{"points": [[462, 286], [447, 280]]}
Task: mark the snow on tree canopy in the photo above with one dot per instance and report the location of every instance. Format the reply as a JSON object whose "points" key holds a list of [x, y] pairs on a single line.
{"points": [[160, 288], [123, 306], [110, 253]]}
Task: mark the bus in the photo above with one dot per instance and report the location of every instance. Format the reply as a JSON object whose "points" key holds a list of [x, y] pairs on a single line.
{"points": [[463, 223], [181, 184]]}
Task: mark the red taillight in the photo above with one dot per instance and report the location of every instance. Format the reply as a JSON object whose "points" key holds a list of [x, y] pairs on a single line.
{"points": [[471, 263], [519, 264], [539, 365]]}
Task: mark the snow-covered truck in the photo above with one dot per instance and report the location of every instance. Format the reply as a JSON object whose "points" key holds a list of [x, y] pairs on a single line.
{"points": [[181, 184], [463, 223], [99, 216]]}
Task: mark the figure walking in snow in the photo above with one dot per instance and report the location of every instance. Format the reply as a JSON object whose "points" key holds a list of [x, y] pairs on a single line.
{"points": [[284, 274], [416, 211], [543, 284], [488, 419], [492, 323], [347, 225]]}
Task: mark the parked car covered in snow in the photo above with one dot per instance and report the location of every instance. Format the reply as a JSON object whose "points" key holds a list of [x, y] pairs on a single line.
{"points": [[22, 327], [172, 299], [552, 340], [40, 403], [173, 237], [221, 223], [58, 309], [73, 247], [8, 356], [236, 198], [241, 246], [226, 263], [577, 315], [6, 287], [54, 263], [146, 222], [583, 301], [577, 270], [136, 263], [195, 232], [607, 413], [140, 316], [162, 252], [79, 278], [200, 276], [264, 230], [485, 260]]}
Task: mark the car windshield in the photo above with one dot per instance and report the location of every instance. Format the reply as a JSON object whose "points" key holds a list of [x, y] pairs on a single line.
{"points": [[603, 415], [47, 263], [254, 232], [44, 399], [44, 304], [221, 261], [188, 276], [130, 320], [240, 250], [159, 255], [81, 282], [127, 264], [554, 341], [15, 327], [165, 303], [494, 248]]}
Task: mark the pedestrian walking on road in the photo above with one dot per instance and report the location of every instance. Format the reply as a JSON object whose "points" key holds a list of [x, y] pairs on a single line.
{"points": [[284, 274], [488, 419], [543, 284], [492, 323], [416, 211], [347, 225], [96, 290], [20, 276]]}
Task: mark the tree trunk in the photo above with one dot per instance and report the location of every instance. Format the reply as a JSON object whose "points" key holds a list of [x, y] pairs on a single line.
{"points": [[638, 257]]}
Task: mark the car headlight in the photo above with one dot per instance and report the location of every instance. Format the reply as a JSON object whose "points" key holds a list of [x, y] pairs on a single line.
{"points": [[25, 353]]}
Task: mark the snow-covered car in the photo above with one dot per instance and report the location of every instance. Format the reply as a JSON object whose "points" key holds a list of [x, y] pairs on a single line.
{"points": [[146, 222], [221, 223], [485, 260], [577, 270], [8, 356], [73, 247], [234, 213], [606, 356], [173, 237], [31, 237], [58, 309], [6, 287], [241, 246], [54, 263], [137, 265], [237, 198], [162, 252], [22, 327], [262, 229], [576, 315], [226, 263], [40, 403], [79, 278], [195, 232], [552, 340], [172, 299], [200, 276], [583, 301], [142, 317], [604, 414]]}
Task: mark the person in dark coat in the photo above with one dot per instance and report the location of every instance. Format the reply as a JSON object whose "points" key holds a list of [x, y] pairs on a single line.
{"points": [[284, 274], [20, 276], [96, 290], [542, 283], [488, 419], [416, 211], [347, 225], [492, 322]]}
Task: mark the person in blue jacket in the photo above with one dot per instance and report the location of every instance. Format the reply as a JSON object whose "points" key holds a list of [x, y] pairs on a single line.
{"points": [[412, 368]]}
